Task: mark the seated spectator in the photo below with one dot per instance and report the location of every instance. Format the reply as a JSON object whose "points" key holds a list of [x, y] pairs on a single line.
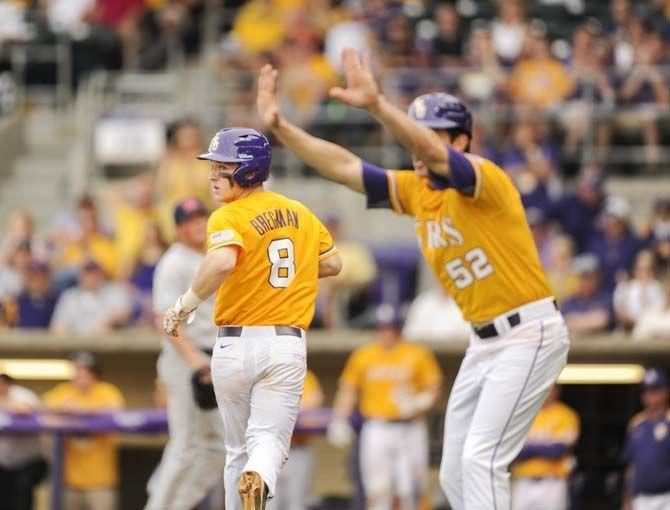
{"points": [[538, 80], [86, 242], [22, 466], [398, 42], [36, 304], [509, 30], [446, 46], [659, 224], [91, 466], [614, 244], [563, 281], [661, 249], [260, 25], [642, 292], [7, 313], [654, 322], [19, 230], [434, 316], [142, 275], [543, 234], [13, 275], [578, 212], [589, 310], [484, 79], [92, 307]]}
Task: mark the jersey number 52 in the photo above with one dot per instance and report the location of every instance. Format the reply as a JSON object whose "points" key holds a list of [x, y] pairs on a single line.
{"points": [[463, 276], [282, 263]]}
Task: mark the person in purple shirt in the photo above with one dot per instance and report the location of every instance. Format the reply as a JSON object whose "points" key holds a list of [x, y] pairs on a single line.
{"points": [[646, 451], [590, 309], [577, 212], [614, 244], [37, 301]]}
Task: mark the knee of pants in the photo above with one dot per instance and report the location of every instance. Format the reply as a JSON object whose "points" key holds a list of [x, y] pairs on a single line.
{"points": [[474, 460]]}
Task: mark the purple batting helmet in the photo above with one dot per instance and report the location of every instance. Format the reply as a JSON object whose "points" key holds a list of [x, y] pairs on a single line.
{"points": [[245, 146], [441, 111]]}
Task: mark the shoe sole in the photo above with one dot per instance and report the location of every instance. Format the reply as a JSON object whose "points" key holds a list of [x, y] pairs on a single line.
{"points": [[251, 488]]}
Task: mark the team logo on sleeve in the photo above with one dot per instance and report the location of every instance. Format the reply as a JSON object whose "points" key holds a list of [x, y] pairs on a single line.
{"points": [[221, 236]]}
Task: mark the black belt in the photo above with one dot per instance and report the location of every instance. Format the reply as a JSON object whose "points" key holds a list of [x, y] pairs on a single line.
{"points": [[279, 331], [207, 351], [489, 330]]}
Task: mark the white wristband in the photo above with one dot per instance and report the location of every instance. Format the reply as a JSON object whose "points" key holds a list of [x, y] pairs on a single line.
{"points": [[188, 302]]}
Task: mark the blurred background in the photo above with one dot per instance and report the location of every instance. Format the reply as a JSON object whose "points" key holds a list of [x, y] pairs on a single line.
{"points": [[105, 103]]}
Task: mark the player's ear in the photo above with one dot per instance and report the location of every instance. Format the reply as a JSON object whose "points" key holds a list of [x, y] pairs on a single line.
{"points": [[461, 142]]}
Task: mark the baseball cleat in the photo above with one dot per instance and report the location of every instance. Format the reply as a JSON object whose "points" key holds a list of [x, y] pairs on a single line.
{"points": [[253, 491]]}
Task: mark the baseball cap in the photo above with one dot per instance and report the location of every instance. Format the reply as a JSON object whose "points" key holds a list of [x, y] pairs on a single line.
{"points": [[617, 207], [91, 265], [387, 315], [586, 264], [654, 378], [187, 209]]}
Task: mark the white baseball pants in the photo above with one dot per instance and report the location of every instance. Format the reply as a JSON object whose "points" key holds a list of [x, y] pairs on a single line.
{"points": [[258, 379], [652, 501], [194, 457], [542, 494], [294, 484], [394, 463], [500, 387]]}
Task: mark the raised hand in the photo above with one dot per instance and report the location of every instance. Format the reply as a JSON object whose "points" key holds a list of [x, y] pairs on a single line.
{"points": [[362, 90], [266, 99]]}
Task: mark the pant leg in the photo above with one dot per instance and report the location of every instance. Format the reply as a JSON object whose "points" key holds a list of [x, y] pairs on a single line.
{"points": [[180, 452], [404, 480], [232, 385], [521, 374], [546, 494], [275, 402], [460, 409], [376, 459], [294, 484]]}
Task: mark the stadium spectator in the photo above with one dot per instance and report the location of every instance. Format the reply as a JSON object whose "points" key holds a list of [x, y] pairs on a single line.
{"points": [[484, 79], [654, 323], [563, 281], [13, 274], [7, 313], [435, 316], [538, 80], [661, 248], [22, 465], [614, 244], [353, 32], [20, 229], [260, 26], [577, 213], [13, 22], [141, 277], [659, 224], [447, 45], [94, 306], [91, 471], [398, 41], [543, 234], [294, 484], [645, 452], [590, 309], [542, 468], [36, 304], [86, 241], [509, 29], [642, 292]]}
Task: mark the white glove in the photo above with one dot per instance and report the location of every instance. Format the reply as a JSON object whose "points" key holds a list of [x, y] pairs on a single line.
{"points": [[411, 405], [340, 433]]}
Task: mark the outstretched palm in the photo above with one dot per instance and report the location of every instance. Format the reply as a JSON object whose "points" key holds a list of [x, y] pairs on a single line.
{"points": [[362, 90], [266, 99]]}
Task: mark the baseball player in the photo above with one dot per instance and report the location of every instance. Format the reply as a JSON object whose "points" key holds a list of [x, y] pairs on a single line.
{"points": [[473, 233], [542, 468], [265, 254], [194, 456], [395, 383], [647, 448], [294, 485]]}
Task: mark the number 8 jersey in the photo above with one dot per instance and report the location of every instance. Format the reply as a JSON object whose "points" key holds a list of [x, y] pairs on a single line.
{"points": [[281, 244], [479, 247]]}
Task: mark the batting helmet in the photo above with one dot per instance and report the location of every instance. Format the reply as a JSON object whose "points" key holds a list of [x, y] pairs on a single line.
{"points": [[441, 111], [245, 146]]}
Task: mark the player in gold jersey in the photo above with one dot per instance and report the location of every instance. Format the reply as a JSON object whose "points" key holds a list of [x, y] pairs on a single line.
{"points": [[265, 254], [474, 235]]}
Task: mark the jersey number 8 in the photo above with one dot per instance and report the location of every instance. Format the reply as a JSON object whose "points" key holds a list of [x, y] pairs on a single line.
{"points": [[479, 268], [282, 260]]}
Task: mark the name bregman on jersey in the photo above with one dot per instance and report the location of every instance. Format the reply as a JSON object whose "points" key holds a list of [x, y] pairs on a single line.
{"points": [[274, 219]]}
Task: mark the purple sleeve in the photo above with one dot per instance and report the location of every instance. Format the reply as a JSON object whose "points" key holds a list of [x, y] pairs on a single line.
{"points": [[548, 451], [461, 174], [376, 186]]}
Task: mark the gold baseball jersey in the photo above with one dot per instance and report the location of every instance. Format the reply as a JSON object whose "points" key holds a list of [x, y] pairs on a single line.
{"points": [[479, 247], [275, 280], [555, 424], [383, 376]]}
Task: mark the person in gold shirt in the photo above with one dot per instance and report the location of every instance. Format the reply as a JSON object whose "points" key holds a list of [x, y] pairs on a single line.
{"points": [[542, 468], [91, 461], [394, 383], [265, 255]]}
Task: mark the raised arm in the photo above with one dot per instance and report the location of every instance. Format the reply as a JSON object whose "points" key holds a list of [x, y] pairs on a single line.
{"points": [[330, 160], [363, 92]]}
